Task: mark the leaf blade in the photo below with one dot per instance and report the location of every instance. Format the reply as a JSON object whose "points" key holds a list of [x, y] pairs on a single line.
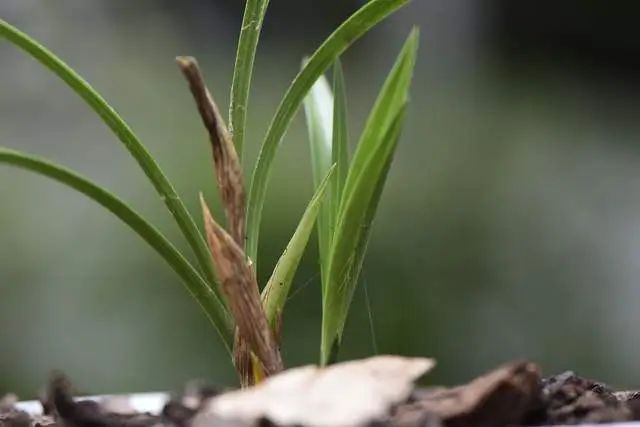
{"points": [[243, 69], [340, 140], [124, 133], [338, 297], [318, 108], [361, 194], [352, 29], [275, 293], [196, 285]]}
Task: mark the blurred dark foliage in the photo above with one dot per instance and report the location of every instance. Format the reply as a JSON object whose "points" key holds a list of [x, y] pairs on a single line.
{"points": [[289, 20], [603, 35]]}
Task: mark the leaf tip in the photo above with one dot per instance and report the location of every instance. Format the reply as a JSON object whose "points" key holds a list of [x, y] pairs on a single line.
{"points": [[203, 202], [210, 225], [186, 61], [414, 38], [331, 170]]}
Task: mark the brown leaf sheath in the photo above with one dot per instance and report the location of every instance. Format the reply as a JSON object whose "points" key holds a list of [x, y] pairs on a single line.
{"points": [[227, 164], [240, 288], [242, 360]]}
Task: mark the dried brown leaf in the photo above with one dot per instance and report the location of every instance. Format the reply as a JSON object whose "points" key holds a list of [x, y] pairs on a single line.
{"points": [[242, 360], [227, 164]]}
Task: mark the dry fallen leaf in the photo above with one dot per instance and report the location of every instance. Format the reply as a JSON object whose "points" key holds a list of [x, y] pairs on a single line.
{"points": [[346, 394]]}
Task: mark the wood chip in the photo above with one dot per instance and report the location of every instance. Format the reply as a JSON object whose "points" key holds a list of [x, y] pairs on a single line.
{"points": [[501, 397]]}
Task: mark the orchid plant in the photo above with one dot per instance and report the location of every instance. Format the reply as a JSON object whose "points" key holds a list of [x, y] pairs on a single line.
{"points": [[222, 279]]}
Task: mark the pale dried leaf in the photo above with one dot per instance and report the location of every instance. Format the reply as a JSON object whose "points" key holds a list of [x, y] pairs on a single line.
{"points": [[346, 394]]}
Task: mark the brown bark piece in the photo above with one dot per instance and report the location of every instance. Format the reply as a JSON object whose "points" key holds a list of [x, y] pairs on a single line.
{"points": [[571, 399], [70, 413], [500, 398]]}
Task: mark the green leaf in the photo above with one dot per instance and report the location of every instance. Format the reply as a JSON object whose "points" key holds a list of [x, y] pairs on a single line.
{"points": [[247, 44], [195, 284], [274, 295], [360, 197], [352, 29], [318, 108], [340, 143], [343, 279], [125, 135]]}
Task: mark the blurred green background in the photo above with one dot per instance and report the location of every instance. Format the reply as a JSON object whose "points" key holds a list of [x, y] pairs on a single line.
{"points": [[510, 226]]}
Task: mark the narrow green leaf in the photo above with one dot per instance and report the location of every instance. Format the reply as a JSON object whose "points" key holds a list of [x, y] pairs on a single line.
{"points": [[352, 29], [124, 134], [254, 13], [339, 157], [343, 279], [274, 295], [340, 143], [195, 284], [318, 108], [361, 194]]}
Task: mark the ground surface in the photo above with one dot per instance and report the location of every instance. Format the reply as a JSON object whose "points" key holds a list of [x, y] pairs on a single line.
{"points": [[512, 395]]}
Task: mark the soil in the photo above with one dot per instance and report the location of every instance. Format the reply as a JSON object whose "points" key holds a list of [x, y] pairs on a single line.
{"points": [[512, 395]]}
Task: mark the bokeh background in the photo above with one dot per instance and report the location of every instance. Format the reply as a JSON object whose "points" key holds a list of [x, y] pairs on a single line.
{"points": [[510, 226]]}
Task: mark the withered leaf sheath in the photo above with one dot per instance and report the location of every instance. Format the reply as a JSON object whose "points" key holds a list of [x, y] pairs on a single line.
{"points": [[231, 188], [242, 360], [240, 288], [225, 158]]}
